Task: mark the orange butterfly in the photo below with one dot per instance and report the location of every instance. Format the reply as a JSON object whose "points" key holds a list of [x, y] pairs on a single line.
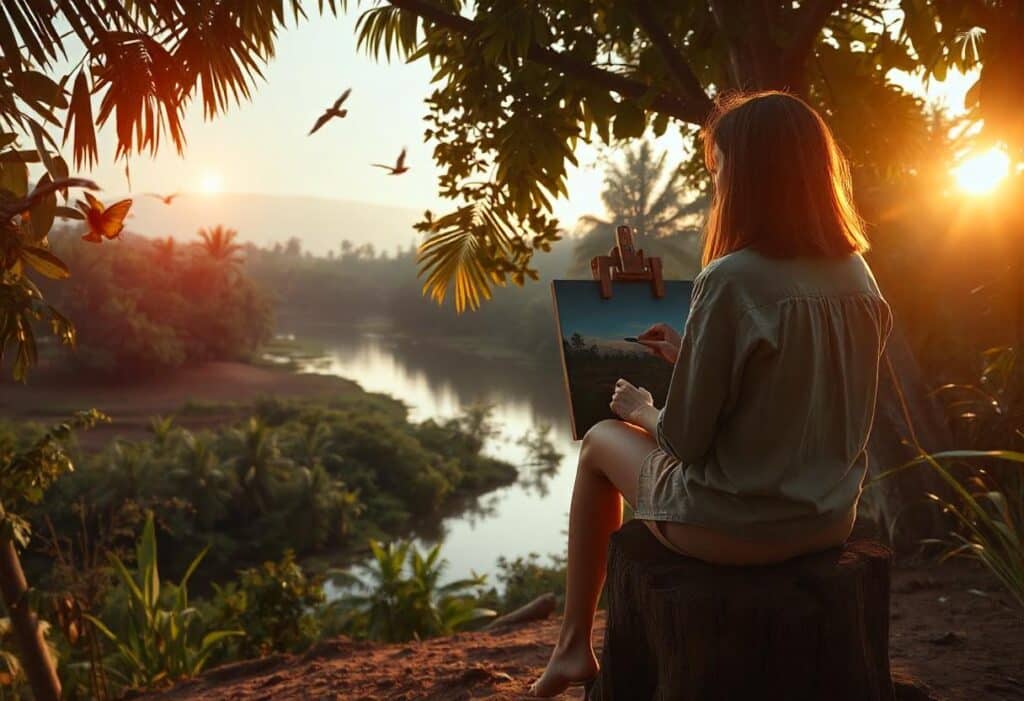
{"points": [[103, 222]]}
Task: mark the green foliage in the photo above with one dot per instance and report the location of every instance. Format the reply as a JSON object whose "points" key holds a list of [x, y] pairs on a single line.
{"points": [[988, 510], [25, 475], [405, 599], [151, 308], [274, 605], [989, 412], [157, 642], [525, 578], [142, 64], [305, 476]]}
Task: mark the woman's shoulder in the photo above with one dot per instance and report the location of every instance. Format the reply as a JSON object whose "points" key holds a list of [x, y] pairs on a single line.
{"points": [[751, 279]]}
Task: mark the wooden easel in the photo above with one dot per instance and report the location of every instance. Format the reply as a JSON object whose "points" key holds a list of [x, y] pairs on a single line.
{"points": [[627, 264]]}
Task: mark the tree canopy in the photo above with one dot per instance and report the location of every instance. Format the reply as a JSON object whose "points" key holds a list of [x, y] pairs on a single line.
{"points": [[518, 87]]}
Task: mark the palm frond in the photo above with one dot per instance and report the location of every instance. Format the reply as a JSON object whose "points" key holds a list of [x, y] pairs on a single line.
{"points": [[460, 251]]}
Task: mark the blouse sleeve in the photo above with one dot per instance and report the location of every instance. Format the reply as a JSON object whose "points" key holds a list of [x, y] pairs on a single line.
{"points": [[703, 373]]}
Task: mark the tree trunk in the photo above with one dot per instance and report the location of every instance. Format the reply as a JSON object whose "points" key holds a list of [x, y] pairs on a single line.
{"points": [[815, 627], [35, 657]]}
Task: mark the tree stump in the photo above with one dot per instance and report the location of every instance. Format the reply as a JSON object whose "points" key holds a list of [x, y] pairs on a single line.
{"points": [[815, 627]]}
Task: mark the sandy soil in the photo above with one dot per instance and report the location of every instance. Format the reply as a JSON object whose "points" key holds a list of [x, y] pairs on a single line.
{"points": [[49, 398], [947, 643]]}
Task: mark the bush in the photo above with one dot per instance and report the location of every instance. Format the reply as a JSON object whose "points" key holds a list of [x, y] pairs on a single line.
{"points": [[273, 604], [526, 578], [158, 638]]}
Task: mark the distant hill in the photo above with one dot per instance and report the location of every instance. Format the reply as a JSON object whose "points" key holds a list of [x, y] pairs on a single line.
{"points": [[321, 224]]}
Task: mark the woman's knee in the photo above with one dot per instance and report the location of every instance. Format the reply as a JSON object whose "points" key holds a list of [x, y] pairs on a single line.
{"points": [[597, 439]]}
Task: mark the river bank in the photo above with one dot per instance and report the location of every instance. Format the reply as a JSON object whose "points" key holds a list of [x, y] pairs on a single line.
{"points": [[526, 401], [198, 397]]}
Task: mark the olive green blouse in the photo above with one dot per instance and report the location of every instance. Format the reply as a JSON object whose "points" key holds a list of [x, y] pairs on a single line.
{"points": [[765, 427]]}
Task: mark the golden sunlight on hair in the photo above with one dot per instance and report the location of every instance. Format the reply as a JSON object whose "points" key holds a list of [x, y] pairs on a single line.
{"points": [[782, 185]]}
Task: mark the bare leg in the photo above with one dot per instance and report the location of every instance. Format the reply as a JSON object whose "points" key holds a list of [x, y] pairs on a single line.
{"points": [[609, 466]]}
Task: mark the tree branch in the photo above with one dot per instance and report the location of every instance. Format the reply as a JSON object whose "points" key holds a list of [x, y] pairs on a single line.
{"points": [[692, 89], [808, 22], [665, 103]]}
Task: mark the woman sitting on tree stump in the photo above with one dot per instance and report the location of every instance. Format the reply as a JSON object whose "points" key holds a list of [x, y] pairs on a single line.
{"points": [[759, 452]]}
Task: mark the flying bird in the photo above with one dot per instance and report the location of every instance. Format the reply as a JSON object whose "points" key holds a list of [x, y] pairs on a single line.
{"points": [[331, 112], [166, 199], [396, 169], [103, 222]]}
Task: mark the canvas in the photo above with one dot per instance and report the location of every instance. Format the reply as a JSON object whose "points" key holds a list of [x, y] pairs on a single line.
{"points": [[595, 352]]}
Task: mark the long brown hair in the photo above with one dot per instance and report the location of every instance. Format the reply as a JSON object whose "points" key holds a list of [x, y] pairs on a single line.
{"points": [[784, 189]]}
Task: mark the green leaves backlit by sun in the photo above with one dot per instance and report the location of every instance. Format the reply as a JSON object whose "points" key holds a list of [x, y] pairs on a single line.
{"points": [[981, 173]]}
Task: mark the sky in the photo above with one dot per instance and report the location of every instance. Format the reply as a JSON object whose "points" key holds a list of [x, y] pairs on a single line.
{"points": [[261, 147]]}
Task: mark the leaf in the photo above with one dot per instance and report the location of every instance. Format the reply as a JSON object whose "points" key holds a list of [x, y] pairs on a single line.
{"points": [[41, 137], [33, 86], [45, 262], [42, 211], [14, 178], [80, 123], [22, 156], [7, 139], [146, 563], [629, 121]]}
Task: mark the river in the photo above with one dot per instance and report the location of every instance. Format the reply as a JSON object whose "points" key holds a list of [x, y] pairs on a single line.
{"points": [[529, 516]]}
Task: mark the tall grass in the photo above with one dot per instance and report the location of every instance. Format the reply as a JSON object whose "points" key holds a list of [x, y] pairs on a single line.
{"points": [[985, 493], [988, 509]]}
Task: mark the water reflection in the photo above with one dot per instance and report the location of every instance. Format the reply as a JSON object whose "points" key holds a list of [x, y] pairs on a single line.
{"points": [[527, 406]]}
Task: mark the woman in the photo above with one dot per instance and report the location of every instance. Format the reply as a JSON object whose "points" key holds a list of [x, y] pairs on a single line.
{"points": [[759, 452]]}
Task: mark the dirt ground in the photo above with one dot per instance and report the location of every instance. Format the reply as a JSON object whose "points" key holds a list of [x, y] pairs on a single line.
{"points": [[48, 398], [953, 638]]}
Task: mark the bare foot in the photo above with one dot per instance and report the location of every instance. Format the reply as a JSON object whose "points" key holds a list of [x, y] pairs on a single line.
{"points": [[568, 666]]}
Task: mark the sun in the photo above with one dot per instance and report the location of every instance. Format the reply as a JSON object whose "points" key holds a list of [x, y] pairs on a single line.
{"points": [[981, 173], [211, 183]]}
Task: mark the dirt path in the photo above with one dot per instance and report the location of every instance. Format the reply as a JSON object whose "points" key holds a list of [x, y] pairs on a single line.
{"points": [[947, 644]]}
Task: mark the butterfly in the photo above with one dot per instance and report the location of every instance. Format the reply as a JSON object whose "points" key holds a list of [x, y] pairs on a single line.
{"points": [[103, 222]]}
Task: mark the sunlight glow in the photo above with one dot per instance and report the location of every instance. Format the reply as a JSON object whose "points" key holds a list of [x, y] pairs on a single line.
{"points": [[211, 183], [981, 173]]}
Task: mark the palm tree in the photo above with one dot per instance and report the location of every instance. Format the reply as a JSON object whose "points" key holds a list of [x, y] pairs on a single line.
{"points": [[315, 444], [445, 607], [163, 430], [166, 250], [382, 606], [664, 223], [218, 243], [324, 507], [400, 606], [258, 463], [201, 477]]}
